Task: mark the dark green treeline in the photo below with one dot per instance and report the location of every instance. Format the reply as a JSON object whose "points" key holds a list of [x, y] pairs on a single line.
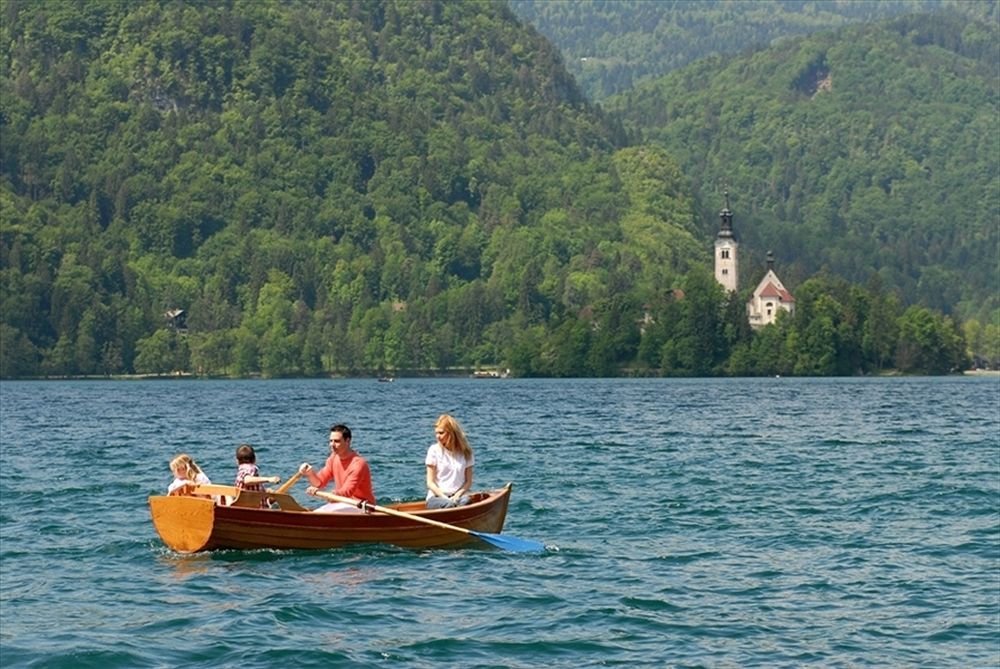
{"points": [[359, 186]]}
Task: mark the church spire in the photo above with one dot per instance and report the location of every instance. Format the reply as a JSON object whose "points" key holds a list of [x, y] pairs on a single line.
{"points": [[726, 245], [726, 229]]}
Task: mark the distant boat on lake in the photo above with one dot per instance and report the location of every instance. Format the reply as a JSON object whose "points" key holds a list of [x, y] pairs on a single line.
{"points": [[491, 374]]}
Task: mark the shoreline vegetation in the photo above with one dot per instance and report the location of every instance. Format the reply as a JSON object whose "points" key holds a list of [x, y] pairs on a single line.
{"points": [[304, 190], [484, 374]]}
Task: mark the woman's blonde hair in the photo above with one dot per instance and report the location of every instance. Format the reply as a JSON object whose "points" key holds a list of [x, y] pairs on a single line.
{"points": [[187, 465], [458, 442]]}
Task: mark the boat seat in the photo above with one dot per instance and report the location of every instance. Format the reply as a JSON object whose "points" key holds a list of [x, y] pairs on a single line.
{"points": [[249, 498]]}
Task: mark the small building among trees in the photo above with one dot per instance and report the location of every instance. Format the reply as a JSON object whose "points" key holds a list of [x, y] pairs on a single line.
{"points": [[768, 298], [176, 319]]}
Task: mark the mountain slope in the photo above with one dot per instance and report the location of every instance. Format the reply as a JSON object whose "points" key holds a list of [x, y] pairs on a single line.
{"points": [[612, 46], [867, 150], [320, 186]]}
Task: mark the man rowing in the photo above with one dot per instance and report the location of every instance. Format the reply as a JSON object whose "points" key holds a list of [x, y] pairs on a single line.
{"points": [[348, 470]]}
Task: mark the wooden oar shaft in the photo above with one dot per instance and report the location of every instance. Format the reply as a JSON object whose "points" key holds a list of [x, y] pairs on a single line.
{"points": [[392, 512], [287, 485]]}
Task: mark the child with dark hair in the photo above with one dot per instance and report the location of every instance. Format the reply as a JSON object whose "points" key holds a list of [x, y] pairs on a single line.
{"points": [[248, 474]]}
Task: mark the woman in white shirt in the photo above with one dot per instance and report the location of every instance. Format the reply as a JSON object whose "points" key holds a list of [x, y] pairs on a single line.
{"points": [[449, 465]]}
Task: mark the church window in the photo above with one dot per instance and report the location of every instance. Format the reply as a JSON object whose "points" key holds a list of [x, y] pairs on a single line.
{"points": [[725, 271], [724, 253]]}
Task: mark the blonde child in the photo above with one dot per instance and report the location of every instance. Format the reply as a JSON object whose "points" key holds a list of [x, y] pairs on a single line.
{"points": [[187, 475]]}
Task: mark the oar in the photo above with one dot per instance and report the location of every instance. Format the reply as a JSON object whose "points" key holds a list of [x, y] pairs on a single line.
{"points": [[506, 542], [287, 485]]}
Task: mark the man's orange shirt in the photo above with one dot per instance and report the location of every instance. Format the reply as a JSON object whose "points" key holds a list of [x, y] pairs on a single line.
{"points": [[350, 475]]}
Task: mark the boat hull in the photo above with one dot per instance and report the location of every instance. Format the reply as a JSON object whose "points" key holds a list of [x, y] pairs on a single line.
{"points": [[191, 524]]}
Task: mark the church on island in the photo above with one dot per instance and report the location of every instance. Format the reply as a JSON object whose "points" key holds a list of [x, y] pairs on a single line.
{"points": [[769, 296]]}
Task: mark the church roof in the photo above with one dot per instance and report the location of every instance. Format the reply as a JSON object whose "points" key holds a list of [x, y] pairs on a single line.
{"points": [[771, 290]]}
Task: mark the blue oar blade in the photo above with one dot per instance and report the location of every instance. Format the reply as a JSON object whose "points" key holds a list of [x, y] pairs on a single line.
{"points": [[509, 543]]}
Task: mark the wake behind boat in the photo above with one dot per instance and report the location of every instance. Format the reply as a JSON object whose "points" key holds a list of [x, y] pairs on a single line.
{"points": [[189, 524]]}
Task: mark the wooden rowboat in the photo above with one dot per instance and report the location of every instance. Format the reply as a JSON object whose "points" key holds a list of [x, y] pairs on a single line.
{"points": [[190, 524]]}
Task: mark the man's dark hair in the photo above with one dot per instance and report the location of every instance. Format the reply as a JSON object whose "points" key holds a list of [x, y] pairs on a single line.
{"points": [[343, 429]]}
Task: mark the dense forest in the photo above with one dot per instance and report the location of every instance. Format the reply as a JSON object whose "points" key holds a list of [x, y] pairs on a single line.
{"points": [[610, 46], [870, 149], [362, 187]]}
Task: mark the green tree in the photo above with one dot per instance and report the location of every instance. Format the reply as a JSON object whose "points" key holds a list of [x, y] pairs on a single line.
{"points": [[18, 356], [818, 342], [280, 354], [991, 345], [881, 331], [696, 346], [567, 349], [211, 352], [163, 352], [246, 353], [773, 349], [929, 343]]}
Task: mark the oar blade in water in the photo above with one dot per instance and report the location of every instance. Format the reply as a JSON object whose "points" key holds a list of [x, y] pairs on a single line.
{"points": [[509, 543]]}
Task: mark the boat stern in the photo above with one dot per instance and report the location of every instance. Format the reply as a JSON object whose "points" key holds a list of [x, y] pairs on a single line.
{"points": [[184, 523]]}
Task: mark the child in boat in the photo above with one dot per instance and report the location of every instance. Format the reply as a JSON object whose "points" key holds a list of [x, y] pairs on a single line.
{"points": [[187, 475], [248, 474]]}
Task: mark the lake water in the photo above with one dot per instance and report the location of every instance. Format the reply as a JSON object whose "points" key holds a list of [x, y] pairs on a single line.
{"points": [[689, 523]]}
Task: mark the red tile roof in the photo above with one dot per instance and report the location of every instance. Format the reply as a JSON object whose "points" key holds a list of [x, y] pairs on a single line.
{"points": [[771, 290]]}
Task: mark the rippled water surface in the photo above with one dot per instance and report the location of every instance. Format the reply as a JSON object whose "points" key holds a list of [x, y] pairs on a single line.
{"points": [[717, 523]]}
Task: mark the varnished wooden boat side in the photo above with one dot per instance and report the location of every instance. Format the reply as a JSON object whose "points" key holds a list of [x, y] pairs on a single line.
{"points": [[191, 524]]}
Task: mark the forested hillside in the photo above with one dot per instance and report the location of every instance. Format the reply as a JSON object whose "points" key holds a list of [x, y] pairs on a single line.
{"points": [[369, 186], [873, 149], [612, 45], [321, 186]]}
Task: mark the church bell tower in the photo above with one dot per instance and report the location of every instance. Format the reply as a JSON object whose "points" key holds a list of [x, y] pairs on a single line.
{"points": [[726, 267]]}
